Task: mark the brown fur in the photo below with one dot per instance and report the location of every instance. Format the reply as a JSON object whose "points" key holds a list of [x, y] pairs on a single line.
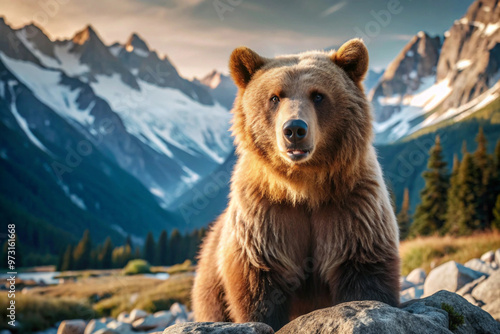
{"points": [[298, 236]]}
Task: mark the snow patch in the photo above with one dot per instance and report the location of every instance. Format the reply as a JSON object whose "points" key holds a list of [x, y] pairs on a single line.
{"points": [[158, 116], [74, 198], [45, 85], [157, 192], [141, 53], [70, 62], [463, 64], [43, 58], [23, 124], [491, 28]]}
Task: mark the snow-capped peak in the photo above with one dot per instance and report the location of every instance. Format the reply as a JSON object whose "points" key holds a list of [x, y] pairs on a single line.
{"points": [[135, 42], [85, 35]]}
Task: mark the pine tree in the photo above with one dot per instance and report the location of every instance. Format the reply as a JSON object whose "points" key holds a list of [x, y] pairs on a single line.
{"points": [[67, 263], [174, 248], [106, 254], [495, 224], [150, 249], [403, 217], [82, 253], [128, 242], [450, 225], [163, 248], [467, 219], [121, 255], [484, 164], [430, 213]]}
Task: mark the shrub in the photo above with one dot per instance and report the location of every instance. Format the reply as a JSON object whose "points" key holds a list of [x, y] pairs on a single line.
{"points": [[135, 267]]}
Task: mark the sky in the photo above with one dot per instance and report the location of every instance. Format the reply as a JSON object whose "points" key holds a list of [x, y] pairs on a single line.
{"points": [[199, 35]]}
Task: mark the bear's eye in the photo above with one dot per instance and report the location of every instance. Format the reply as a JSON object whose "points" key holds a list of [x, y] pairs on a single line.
{"points": [[275, 99], [317, 97]]}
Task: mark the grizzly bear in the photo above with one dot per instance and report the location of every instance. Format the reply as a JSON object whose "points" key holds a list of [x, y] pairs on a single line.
{"points": [[309, 222]]}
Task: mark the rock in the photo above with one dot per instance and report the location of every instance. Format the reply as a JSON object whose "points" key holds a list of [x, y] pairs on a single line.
{"points": [[405, 284], [417, 316], [123, 317], [107, 331], [368, 317], [475, 319], [417, 276], [94, 325], [178, 310], [137, 314], [497, 257], [489, 290], [414, 292], [467, 288], [219, 328], [493, 309], [120, 326], [449, 276], [488, 257], [152, 322], [72, 327], [478, 265]]}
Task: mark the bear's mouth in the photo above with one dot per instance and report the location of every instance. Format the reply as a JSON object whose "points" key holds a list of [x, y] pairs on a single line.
{"points": [[297, 154]]}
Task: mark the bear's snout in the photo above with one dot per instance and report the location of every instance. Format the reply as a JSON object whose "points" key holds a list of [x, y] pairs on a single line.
{"points": [[295, 131]]}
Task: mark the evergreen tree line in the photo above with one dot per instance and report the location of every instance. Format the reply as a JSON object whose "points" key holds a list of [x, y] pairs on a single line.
{"points": [[459, 202], [164, 252]]}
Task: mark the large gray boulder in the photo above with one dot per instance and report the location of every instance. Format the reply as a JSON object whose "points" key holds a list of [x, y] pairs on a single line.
{"points": [[439, 313], [489, 290], [416, 276], [219, 328], [368, 317], [479, 265], [411, 293], [94, 325], [450, 276], [488, 257]]}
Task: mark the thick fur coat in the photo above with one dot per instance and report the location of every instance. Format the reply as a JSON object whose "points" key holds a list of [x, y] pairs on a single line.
{"points": [[309, 222]]}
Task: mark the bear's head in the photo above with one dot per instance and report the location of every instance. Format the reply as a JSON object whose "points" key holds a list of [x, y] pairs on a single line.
{"points": [[302, 112]]}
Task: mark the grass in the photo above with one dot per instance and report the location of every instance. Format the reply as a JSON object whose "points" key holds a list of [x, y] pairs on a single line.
{"points": [[35, 313], [455, 319], [111, 295], [185, 267], [430, 252], [151, 299]]}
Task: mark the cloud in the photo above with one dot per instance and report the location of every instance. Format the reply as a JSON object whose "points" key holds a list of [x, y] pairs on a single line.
{"points": [[335, 8]]}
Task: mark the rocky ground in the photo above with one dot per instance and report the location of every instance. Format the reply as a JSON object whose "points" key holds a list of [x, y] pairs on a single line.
{"points": [[453, 298]]}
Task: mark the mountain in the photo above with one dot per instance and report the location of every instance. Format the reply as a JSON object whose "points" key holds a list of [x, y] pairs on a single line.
{"points": [[88, 140], [431, 83], [148, 66], [371, 79], [222, 87]]}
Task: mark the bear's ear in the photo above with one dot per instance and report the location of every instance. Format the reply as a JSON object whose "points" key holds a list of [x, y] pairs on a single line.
{"points": [[352, 57], [243, 63]]}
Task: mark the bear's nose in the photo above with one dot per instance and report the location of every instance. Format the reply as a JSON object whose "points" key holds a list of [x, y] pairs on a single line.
{"points": [[295, 130]]}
